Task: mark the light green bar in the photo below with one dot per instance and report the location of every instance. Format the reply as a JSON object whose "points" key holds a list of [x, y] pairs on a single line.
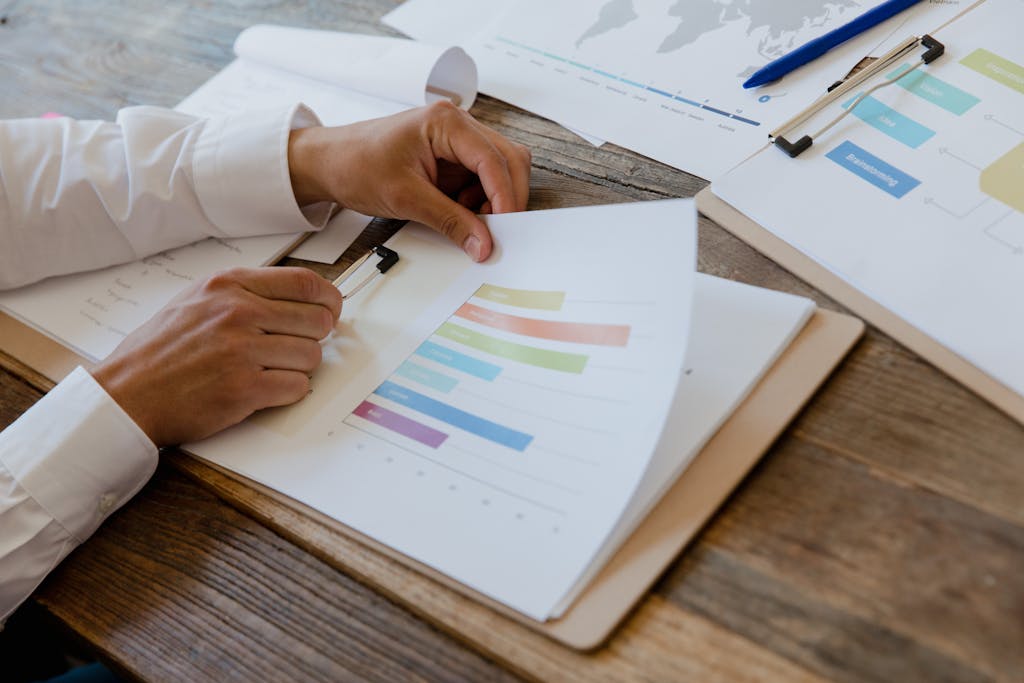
{"points": [[995, 67], [426, 377], [522, 298], [531, 355]]}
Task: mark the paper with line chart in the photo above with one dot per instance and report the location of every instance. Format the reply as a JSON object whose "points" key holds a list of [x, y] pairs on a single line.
{"points": [[663, 77], [917, 198], [493, 420]]}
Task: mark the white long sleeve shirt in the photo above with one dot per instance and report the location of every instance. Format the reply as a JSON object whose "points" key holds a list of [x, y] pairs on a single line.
{"points": [[78, 195]]}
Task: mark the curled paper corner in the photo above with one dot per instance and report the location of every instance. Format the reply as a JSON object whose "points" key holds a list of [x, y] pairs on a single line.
{"points": [[454, 77]]}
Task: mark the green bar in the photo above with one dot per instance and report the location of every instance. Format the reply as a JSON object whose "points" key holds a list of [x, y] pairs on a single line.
{"points": [[995, 67], [531, 355], [522, 298]]}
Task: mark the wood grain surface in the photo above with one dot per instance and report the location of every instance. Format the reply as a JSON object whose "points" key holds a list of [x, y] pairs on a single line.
{"points": [[882, 538]]}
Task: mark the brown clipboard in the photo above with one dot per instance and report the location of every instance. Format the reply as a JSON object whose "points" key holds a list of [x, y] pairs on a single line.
{"points": [[808, 269], [672, 524]]}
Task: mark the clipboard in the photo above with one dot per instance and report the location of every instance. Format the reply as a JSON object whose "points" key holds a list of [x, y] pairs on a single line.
{"points": [[673, 523], [803, 266]]}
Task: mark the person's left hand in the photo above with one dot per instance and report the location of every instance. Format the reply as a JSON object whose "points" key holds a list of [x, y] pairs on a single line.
{"points": [[436, 165], [239, 341]]}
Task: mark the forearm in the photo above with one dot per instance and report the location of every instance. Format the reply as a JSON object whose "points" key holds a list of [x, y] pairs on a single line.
{"points": [[79, 195], [65, 466]]}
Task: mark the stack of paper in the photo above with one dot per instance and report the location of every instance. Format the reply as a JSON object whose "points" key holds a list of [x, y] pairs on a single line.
{"points": [[510, 423]]}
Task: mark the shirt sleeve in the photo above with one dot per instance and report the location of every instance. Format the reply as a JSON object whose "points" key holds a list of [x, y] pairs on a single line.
{"points": [[65, 466], [80, 195]]}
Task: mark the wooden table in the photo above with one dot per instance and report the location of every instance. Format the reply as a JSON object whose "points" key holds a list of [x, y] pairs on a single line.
{"points": [[882, 538]]}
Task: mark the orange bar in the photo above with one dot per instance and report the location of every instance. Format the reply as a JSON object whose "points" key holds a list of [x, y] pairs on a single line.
{"points": [[579, 333]]}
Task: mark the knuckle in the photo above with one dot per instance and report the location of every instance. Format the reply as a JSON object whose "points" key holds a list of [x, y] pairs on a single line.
{"points": [[449, 225], [314, 356], [307, 283], [295, 388], [443, 108], [525, 155], [223, 279], [326, 323]]}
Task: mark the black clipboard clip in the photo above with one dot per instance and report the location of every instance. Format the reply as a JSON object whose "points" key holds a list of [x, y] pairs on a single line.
{"points": [[933, 50], [388, 258]]}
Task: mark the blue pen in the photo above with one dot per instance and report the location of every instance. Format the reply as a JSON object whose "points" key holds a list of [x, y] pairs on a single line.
{"points": [[776, 69]]}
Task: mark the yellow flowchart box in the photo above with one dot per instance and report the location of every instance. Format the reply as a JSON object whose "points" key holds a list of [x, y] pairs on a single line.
{"points": [[1004, 179]]}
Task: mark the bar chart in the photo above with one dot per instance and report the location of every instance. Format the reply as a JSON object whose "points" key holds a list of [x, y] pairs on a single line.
{"points": [[501, 380], [493, 420]]}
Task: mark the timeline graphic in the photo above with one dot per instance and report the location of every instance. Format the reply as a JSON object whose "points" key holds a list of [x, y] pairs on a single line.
{"points": [[626, 86]]}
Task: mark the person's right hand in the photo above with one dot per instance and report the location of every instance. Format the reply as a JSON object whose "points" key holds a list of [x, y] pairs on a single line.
{"points": [[242, 340], [436, 165]]}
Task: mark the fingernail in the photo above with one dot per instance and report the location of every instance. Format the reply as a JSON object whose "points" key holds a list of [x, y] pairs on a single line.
{"points": [[472, 247]]}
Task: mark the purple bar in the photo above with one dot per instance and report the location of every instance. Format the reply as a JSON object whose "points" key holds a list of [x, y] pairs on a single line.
{"points": [[400, 424]]}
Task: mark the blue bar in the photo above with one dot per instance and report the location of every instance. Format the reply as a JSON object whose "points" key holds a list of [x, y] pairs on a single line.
{"points": [[872, 169], [634, 84], [561, 59], [717, 111], [889, 121], [460, 419], [683, 99], [578, 65], [458, 361], [426, 377], [606, 74], [740, 118], [660, 92]]}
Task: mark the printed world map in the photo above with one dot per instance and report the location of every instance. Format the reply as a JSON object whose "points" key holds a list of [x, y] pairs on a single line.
{"points": [[778, 24]]}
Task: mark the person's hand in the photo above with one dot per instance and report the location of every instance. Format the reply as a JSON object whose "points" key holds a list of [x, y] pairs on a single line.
{"points": [[242, 340], [436, 165]]}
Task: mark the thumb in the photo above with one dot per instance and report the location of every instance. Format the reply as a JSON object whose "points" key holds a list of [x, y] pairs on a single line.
{"points": [[452, 220]]}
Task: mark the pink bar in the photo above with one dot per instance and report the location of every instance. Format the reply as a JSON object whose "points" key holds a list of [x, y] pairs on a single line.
{"points": [[400, 424], [579, 333]]}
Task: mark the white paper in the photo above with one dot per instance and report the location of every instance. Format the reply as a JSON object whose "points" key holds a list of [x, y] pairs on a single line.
{"points": [[444, 22], [519, 523], [377, 66], [329, 244], [736, 335], [278, 66], [453, 22], [948, 255], [664, 78], [93, 312]]}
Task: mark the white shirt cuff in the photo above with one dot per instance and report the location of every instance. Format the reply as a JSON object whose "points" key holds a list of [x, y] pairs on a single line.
{"points": [[78, 454], [240, 166]]}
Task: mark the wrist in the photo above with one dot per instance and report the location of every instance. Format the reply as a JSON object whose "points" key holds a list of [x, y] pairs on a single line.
{"points": [[304, 161], [115, 378]]}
